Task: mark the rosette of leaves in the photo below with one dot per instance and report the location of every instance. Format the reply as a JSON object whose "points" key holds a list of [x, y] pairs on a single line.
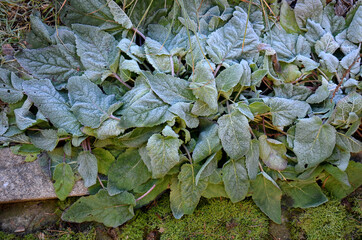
{"points": [[205, 98]]}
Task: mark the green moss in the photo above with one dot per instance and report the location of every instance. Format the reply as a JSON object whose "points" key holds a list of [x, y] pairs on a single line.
{"points": [[328, 221], [213, 219], [58, 235]]}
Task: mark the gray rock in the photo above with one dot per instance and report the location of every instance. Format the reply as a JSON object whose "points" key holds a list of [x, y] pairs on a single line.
{"points": [[22, 181]]}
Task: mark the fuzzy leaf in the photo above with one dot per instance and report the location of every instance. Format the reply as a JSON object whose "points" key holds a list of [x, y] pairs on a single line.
{"points": [[308, 9], [354, 31], [234, 134], [252, 159], [46, 139], [235, 180], [127, 172], [287, 18], [52, 105], [183, 110], [351, 103], [207, 143], [112, 211], [64, 180], [314, 142], [320, 94], [273, 153], [87, 168], [89, 104], [208, 167], [163, 152], [119, 15], [10, 87], [229, 78], [348, 143]]}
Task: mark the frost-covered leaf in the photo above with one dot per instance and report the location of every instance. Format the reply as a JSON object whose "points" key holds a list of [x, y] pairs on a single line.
{"points": [[52, 105], [229, 78], [235, 180], [304, 194], [346, 46], [4, 122], [119, 15], [288, 46], [320, 94], [287, 18], [163, 152], [208, 167], [109, 128], [354, 31], [285, 111], [57, 62], [314, 142], [64, 180], [24, 118], [308, 9], [348, 143], [331, 21], [127, 172], [234, 134], [351, 103], [87, 168], [352, 61], [97, 50], [190, 192], [157, 55], [201, 108], [328, 61], [292, 91], [89, 104], [46, 139], [183, 110], [273, 153], [207, 143], [11, 88], [138, 136], [203, 84], [267, 196], [112, 211], [252, 159], [226, 43], [144, 110], [326, 44], [170, 89]]}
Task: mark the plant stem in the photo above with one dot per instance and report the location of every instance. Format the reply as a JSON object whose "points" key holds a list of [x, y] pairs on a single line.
{"points": [[144, 195], [123, 82], [139, 33]]}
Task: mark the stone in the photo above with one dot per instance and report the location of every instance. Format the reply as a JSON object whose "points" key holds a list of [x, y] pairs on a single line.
{"points": [[24, 181]]}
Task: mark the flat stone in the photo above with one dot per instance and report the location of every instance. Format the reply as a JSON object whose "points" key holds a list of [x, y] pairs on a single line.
{"points": [[23, 181]]}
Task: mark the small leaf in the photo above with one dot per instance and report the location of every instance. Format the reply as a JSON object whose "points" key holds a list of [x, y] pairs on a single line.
{"points": [[320, 94], [354, 31], [87, 168], [119, 16], [208, 167], [287, 18], [183, 110], [235, 180], [104, 160], [46, 139], [112, 211], [176, 202], [64, 180], [252, 159], [4, 122], [10, 87], [273, 153], [267, 196], [308, 9], [25, 119], [348, 143], [229, 78], [207, 143], [338, 174]]}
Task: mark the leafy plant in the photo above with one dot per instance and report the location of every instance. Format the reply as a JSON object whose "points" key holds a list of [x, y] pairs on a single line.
{"points": [[207, 98]]}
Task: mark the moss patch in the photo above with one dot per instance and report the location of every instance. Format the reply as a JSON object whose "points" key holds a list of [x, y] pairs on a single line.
{"points": [[213, 219], [328, 221]]}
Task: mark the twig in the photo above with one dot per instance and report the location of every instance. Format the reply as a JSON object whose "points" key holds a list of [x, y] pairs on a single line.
{"points": [[188, 153], [114, 117], [100, 182], [172, 67], [144, 195], [123, 82], [217, 69], [139, 33]]}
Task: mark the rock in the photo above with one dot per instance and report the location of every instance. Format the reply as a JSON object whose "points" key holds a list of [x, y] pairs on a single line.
{"points": [[22, 181]]}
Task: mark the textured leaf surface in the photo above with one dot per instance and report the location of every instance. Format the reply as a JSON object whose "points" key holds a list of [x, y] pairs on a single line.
{"points": [[234, 134], [267, 196], [163, 152], [273, 153], [252, 159], [112, 211], [104, 159], [46, 139], [52, 105], [89, 104], [183, 110], [235, 180], [88, 168], [127, 172], [11, 88], [64, 180], [308, 9], [314, 142], [354, 31], [207, 143]]}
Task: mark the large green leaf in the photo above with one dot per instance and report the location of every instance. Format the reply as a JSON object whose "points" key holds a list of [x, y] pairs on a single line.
{"points": [[52, 105], [348, 143], [229, 78], [208, 167], [88, 168], [190, 192], [46, 139], [89, 104], [104, 159], [24, 118], [64, 180], [11, 88], [304, 194], [207, 143], [314, 142], [97, 50], [235, 180], [308, 9], [354, 31], [170, 89], [234, 134], [267, 196], [176, 202], [226, 43], [252, 159], [351, 103], [112, 211], [127, 172], [163, 152], [138, 136], [287, 18], [183, 110]]}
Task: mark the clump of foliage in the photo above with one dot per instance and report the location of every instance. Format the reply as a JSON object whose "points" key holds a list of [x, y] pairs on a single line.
{"points": [[212, 219], [208, 98]]}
